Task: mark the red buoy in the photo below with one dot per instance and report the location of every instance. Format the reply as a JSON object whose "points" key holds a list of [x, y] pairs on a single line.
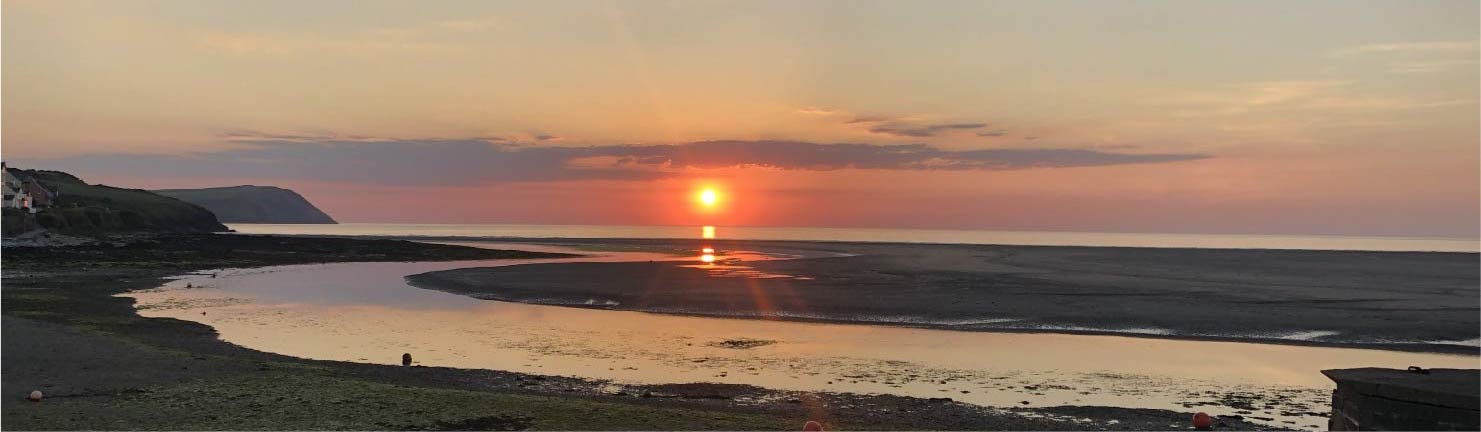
{"points": [[812, 426], [1202, 421]]}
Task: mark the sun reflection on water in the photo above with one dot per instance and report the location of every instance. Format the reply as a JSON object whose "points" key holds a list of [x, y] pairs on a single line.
{"points": [[732, 263], [707, 253]]}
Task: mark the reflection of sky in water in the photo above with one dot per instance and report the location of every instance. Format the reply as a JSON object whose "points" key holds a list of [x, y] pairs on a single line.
{"points": [[354, 284], [366, 312], [329, 284]]}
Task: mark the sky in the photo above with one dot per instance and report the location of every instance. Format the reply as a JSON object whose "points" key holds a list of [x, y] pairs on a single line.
{"points": [[1257, 117]]}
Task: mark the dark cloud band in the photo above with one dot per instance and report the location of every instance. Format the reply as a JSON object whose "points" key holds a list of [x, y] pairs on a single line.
{"points": [[478, 161], [923, 131]]}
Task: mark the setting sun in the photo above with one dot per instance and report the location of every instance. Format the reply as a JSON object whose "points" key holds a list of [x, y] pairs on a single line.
{"points": [[708, 197]]}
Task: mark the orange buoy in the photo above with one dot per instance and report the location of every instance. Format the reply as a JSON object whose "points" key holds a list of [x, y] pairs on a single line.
{"points": [[813, 426], [1202, 421]]}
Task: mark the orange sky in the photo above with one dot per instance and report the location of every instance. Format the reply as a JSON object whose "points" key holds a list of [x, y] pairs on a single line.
{"points": [[1159, 116]]}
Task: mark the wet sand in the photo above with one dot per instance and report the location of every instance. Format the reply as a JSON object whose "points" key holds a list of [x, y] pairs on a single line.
{"points": [[1391, 300]]}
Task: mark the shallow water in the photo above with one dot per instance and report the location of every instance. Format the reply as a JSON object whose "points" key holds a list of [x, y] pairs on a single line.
{"points": [[365, 312], [1031, 238]]}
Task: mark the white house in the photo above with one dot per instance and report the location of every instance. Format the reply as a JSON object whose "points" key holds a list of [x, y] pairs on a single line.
{"points": [[15, 191]]}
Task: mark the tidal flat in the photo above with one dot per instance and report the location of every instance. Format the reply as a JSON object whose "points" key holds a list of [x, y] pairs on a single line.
{"points": [[1388, 300], [102, 366], [366, 312]]}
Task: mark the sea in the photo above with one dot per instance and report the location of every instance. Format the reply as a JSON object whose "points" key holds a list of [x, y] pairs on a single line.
{"points": [[881, 235]]}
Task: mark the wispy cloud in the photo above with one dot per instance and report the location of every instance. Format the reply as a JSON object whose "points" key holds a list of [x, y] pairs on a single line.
{"points": [[479, 161], [817, 111], [251, 136], [1276, 96], [993, 133], [1424, 67], [1419, 57], [922, 131], [370, 43], [473, 24], [1277, 92], [911, 126], [869, 119], [423, 37], [1409, 47]]}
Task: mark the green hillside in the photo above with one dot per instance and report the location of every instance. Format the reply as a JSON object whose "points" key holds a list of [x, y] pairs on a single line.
{"points": [[86, 209]]}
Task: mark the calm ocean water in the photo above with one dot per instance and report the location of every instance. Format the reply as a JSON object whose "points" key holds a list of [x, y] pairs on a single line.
{"points": [[1039, 238]]}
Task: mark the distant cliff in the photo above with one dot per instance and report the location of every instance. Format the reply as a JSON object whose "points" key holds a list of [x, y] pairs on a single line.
{"points": [[252, 204]]}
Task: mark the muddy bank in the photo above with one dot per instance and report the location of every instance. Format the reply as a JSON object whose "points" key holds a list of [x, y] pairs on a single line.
{"points": [[210, 251], [1395, 300], [104, 367]]}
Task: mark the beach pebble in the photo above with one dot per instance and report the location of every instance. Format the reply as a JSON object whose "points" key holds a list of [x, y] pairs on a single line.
{"points": [[35, 396]]}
